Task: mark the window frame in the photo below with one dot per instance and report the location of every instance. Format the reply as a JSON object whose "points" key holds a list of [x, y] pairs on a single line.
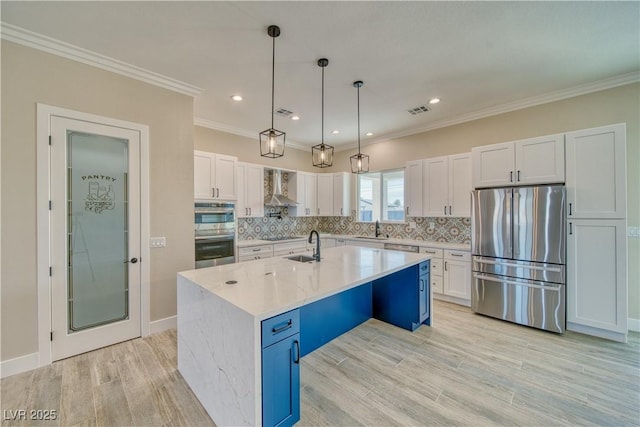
{"points": [[383, 195]]}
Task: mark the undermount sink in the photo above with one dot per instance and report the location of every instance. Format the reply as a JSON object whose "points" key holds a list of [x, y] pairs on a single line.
{"points": [[301, 258], [372, 238]]}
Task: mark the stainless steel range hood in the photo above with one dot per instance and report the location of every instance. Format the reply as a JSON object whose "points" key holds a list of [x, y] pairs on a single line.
{"points": [[277, 198]]}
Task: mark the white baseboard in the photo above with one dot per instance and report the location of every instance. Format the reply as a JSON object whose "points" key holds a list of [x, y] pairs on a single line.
{"points": [[596, 332], [163, 324], [633, 324], [19, 365]]}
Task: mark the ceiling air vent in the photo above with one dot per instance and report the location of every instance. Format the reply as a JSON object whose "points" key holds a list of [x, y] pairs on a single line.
{"points": [[283, 112], [418, 110]]}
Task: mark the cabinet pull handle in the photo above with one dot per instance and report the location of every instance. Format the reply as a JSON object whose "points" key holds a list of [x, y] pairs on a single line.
{"points": [[341, 211], [407, 209], [249, 211], [518, 176], [570, 208], [421, 285], [511, 176], [445, 266], [281, 328], [445, 209], [449, 209], [430, 252], [255, 250], [570, 229], [213, 192], [458, 255], [296, 353], [217, 192]]}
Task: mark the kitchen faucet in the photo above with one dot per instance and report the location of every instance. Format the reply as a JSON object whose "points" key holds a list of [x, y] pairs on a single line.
{"points": [[378, 233], [316, 253]]}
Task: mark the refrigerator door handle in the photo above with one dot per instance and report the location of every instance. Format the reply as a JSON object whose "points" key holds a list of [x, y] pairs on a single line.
{"points": [[513, 282], [529, 267]]}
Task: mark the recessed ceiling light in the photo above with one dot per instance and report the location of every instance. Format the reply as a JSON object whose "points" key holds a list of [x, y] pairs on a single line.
{"points": [[295, 118], [335, 132], [369, 133], [434, 100], [236, 98]]}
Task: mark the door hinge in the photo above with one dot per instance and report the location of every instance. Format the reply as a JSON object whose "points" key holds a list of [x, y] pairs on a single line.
{"points": [[51, 336], [49, 139], [50, 271]]}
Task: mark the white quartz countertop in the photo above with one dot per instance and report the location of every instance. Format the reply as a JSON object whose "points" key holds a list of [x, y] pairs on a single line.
{"points": [[271, 286], [421, 243]]}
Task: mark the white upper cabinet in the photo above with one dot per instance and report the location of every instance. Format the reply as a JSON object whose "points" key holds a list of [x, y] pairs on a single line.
{"points": [[540, 160], [250, 183], [341, 193], [447, 186], [325, 194], [529, 161], [596, 173], [493, 165], [214, 176], [435, 186], [460, 185], [413, 188], [303, 189]]}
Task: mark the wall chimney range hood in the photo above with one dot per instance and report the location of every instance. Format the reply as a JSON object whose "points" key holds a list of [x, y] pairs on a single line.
{"points": [[277, 198]]}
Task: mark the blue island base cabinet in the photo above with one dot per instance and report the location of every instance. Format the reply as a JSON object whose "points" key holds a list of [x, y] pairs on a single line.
{"points": [[281, 369], [402, 298]]}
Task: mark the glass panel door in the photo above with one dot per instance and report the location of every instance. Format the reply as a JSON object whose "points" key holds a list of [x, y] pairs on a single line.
{"points": [[97, 202]]}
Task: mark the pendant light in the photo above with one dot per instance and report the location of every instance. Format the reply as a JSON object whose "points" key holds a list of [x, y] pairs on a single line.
{"points": [[272, 140], [359, 162], [322, 154]]}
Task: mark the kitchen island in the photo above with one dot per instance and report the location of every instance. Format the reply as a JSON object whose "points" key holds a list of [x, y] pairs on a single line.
{"points": [[242, 328]]}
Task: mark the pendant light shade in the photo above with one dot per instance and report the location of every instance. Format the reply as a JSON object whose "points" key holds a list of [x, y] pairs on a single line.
{"points": [[272, 141], [359, 162], [322, 154]]}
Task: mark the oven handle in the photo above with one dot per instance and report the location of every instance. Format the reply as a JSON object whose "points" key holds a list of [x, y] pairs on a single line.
{"points": [[215, 238], [214, 211], [509, 264], [513, 282]]}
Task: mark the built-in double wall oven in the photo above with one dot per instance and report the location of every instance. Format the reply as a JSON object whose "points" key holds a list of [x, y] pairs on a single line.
{"points": [[215, 231]]}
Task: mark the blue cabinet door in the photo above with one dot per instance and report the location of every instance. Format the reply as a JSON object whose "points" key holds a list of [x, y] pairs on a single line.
{"points": [[425, 292], [281, 382]]}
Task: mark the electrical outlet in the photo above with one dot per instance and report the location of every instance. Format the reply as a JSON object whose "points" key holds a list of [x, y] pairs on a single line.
{"points": [[412, 225], [158, 242], [633, 231], [432, 224]]}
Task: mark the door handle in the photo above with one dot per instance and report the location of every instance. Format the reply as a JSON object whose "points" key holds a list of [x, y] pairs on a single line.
{"points": [[296, 353], [132, 260]]}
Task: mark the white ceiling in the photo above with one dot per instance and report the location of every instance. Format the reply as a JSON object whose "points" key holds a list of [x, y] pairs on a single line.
{"points": [[477, 56]]}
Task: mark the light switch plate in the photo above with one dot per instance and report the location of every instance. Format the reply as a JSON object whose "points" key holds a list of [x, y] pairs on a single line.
{"points": [[633, 231], [158, 242]]}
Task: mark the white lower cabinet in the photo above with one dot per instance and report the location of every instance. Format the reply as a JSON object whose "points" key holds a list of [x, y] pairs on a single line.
{"points": [[255, 252], [597, 278], [290, 248], [450, 274]]}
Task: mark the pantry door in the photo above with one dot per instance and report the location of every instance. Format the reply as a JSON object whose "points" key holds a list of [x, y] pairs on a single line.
{"points": [[94, 235]]}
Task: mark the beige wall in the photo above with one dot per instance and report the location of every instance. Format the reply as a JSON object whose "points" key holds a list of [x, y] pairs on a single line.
{"points": [[29, 77]]}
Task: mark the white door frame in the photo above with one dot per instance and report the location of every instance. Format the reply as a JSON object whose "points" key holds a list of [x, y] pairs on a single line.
{"points": [[44, 114]]}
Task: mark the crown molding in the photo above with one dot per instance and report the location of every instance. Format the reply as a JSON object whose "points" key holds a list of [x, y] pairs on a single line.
{"points": [[560, 95], [210, 124], [41, 42]]}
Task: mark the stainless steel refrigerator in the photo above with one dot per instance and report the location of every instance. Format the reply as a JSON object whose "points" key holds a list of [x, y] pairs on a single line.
{"points": [[519, 252]]}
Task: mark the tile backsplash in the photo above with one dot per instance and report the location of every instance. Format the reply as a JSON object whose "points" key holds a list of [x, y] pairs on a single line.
{"points": [[437, 229]]}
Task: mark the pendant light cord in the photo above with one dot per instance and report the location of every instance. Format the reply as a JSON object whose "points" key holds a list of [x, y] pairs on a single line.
{"points": [[273, 78], [322, 111], [358, 119]]}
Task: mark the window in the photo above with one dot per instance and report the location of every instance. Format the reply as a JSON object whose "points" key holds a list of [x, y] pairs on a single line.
{"points": [[381, 196]]}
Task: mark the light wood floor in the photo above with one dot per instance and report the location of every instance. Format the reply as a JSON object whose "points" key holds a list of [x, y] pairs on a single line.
{"points": [[465, 370]]}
